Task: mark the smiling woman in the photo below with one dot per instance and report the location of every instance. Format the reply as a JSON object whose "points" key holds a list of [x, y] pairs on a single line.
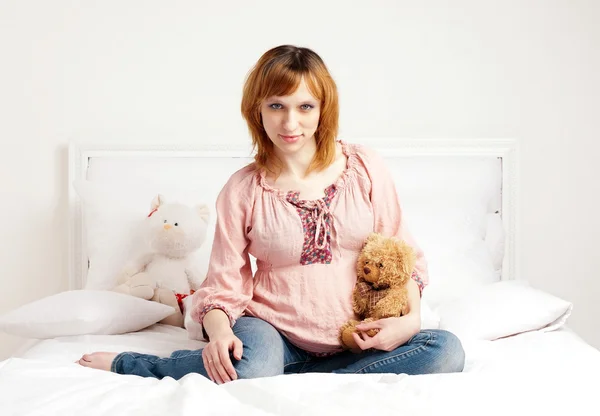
{"points": [[303, 209], [290, 120], [289, 97]]}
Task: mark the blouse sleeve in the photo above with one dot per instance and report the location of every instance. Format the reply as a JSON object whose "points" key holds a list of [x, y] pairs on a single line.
{"points": [[388, 215], [228, 284]]}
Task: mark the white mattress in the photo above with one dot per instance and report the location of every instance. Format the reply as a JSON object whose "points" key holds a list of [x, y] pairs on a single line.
{"points": [[533, 373]]}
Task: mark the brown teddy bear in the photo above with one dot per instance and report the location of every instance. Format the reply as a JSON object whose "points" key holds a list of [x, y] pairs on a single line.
{"points": [[384, 267]]}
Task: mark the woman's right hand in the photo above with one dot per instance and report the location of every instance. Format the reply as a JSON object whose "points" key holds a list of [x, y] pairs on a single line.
{"points": [[216, 358]]}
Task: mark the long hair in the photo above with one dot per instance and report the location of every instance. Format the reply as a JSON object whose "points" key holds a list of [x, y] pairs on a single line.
{"points": [[279, 72]]}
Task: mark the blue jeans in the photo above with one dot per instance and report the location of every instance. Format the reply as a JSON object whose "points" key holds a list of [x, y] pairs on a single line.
{"points": [[267, 353]]}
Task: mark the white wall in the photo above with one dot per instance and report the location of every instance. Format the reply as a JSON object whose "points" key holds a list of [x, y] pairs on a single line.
{"points": [[157, 70]]}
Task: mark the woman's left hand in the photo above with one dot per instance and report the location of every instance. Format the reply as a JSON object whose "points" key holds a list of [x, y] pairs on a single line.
{"points": [[393, 332]]}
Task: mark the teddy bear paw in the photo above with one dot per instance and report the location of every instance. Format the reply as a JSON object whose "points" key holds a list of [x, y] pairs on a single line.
{"points": [[346, 338], [143, 292]]}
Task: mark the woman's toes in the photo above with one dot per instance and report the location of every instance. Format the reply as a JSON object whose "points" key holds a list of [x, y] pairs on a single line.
{"points": [[98, 360]]}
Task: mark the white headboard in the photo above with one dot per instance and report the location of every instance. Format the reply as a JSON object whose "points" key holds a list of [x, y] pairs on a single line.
{"points": [[452, 163]]}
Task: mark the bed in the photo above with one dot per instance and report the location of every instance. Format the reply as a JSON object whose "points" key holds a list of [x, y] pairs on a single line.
{"points": [[460, 200]]}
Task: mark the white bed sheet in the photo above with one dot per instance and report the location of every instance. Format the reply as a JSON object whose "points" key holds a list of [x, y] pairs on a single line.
{"points": [[533, 373]]}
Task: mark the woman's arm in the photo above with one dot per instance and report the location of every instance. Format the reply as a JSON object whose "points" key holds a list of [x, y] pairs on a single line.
{"points": [[396, 331], [228, 286], [413, 317], [216, 323]]}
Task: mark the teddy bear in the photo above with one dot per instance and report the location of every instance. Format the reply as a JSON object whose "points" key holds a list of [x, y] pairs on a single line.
{"points": [[164, 273], [384, 267]]}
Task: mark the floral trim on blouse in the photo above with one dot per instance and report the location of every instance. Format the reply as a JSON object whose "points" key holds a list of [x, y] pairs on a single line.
{"points": [[415, 276], [316, 225]]}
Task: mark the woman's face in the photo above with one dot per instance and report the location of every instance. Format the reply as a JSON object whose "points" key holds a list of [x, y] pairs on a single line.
{"points": [[291, 121]]}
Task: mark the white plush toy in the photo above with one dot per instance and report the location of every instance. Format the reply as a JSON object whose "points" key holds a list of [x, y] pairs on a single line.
{"points": [[173, 232]]}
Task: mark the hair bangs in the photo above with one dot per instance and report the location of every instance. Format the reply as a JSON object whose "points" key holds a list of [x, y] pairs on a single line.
{"points": [[283, 79]]}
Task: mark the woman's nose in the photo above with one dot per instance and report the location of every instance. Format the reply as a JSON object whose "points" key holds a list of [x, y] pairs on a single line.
{"points": [[290, 123]]}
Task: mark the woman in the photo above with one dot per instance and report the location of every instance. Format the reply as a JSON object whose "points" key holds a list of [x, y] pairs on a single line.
{"points": [[303, 209]]}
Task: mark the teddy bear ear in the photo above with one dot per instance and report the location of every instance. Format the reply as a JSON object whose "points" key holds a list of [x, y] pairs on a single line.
{"points": [[203, 211], [157, 202], [372, 238]]}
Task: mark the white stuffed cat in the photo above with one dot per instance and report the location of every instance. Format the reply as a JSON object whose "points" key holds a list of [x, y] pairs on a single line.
{"points": [[165, 274]]}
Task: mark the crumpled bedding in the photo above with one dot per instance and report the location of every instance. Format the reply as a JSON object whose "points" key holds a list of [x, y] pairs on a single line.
{"points": [[542, 373]]}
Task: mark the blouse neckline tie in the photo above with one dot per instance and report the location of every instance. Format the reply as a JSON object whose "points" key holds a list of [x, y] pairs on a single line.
{"points": [[316, 212], [319, 213]]}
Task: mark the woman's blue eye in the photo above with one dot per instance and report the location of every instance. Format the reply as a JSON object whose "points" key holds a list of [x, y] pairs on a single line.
{"points": [[306, 107], [276, 106]]}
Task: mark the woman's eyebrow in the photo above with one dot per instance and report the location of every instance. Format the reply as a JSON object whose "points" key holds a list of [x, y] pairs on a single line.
{"points": [[285, 98]]}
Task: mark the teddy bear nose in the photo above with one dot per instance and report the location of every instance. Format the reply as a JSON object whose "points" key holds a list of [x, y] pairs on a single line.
{"points": [[367, 270], [167, 226]]}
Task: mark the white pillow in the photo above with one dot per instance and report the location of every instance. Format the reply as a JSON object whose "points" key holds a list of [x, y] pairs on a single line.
{"points": [[495, 239], [80, 312], [451, 229], [503, 309], [112, 230]]}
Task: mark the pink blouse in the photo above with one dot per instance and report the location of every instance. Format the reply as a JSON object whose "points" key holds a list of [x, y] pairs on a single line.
{"points": [[306, 250]]}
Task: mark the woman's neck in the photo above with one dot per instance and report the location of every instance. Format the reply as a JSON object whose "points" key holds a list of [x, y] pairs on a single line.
{"points": [[296, 164]]}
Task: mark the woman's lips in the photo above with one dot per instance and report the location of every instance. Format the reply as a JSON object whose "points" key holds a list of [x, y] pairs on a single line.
{"points": [[290, 139]]}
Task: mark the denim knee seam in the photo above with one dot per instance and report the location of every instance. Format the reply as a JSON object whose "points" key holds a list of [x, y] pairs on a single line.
{"points": [[150, 361], [398, 356], [189, 354]]}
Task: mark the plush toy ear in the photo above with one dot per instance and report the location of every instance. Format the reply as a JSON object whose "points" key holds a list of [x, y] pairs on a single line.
{"points": [[157, 202], [372, 238], [203, 211]]}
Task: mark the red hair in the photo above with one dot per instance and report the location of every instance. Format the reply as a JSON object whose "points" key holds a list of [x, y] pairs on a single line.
{"points": [[279, 72]]}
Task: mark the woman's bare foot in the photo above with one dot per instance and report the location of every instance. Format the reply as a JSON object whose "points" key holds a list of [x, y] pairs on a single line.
{"points": [[98, 360]]}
